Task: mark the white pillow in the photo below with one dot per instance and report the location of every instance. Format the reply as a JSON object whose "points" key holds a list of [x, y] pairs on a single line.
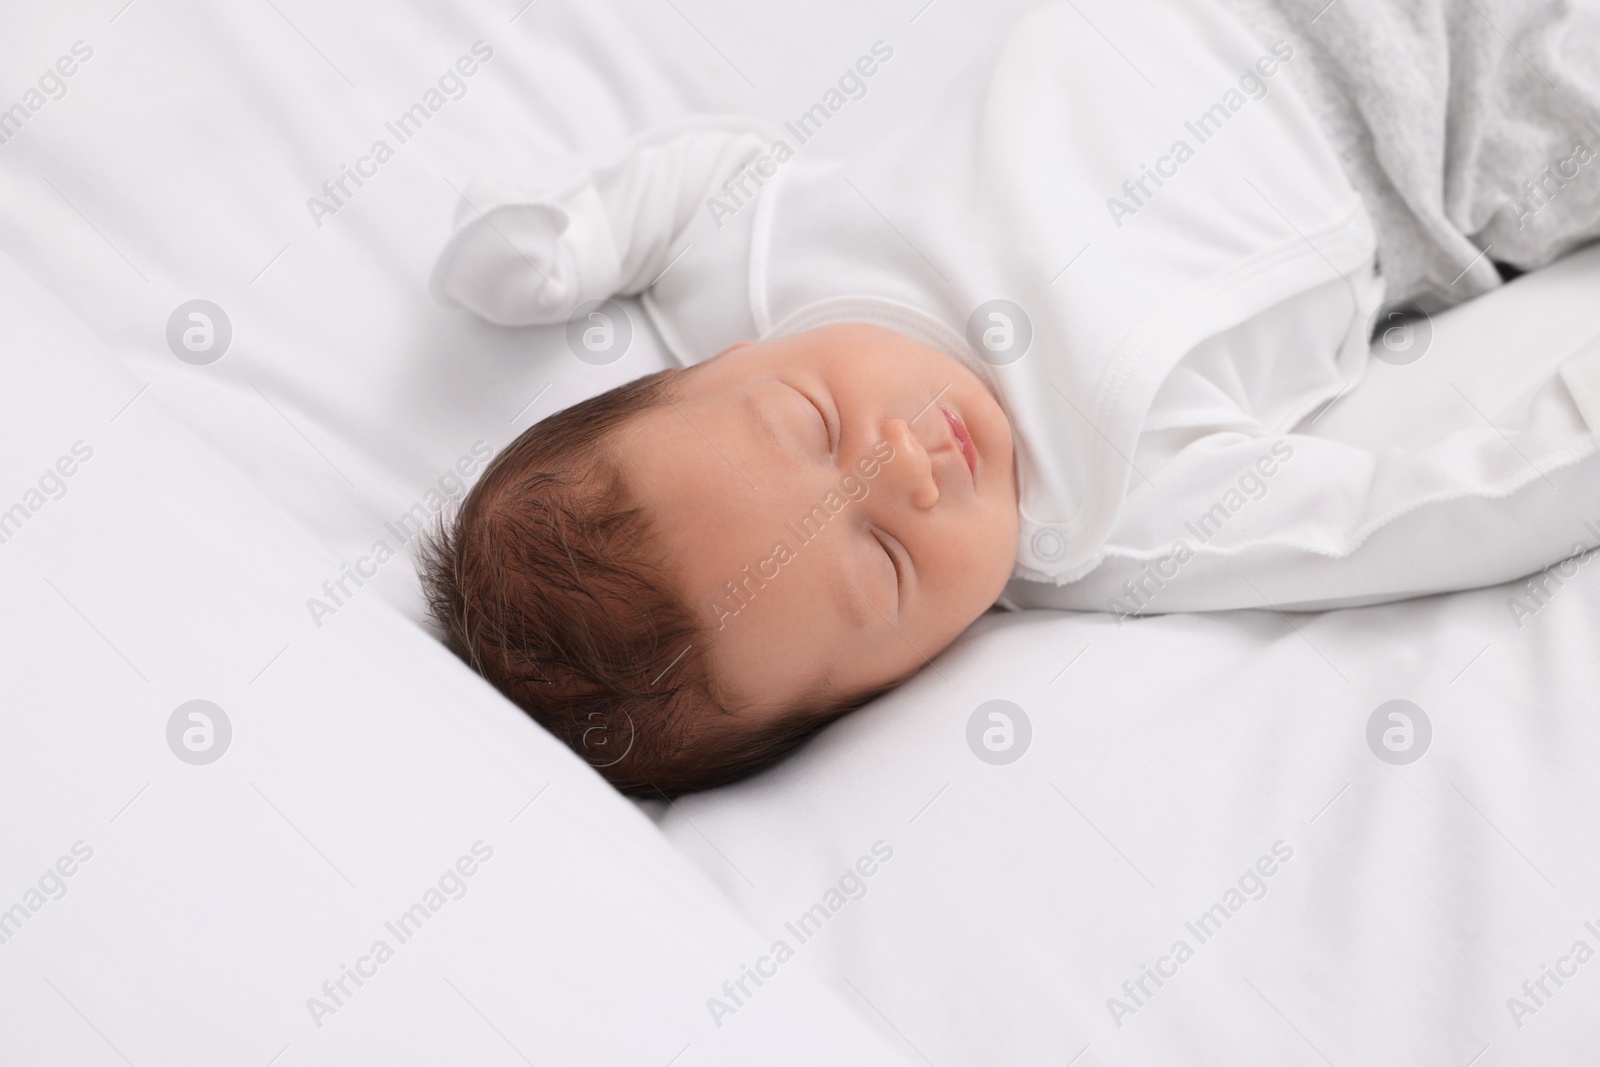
{"points": [[368, 790]]}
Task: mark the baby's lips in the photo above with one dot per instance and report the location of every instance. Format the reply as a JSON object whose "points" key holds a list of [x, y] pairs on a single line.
{"points": [[963, 439]]}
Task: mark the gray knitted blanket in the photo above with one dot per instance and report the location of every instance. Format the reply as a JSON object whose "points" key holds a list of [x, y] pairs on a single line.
{"points": [[1471, 128]]}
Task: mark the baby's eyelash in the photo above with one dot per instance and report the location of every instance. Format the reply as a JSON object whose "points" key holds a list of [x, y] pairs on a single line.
{"points": [[894, 560], [827, 427]]}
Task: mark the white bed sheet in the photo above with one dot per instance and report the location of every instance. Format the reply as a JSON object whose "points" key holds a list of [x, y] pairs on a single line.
{"points": [[179, 163], [1419, 898], [1166, 759]]}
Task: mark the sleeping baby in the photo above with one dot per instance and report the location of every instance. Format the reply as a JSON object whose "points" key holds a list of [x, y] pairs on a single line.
{"points": [[1062, 343]]}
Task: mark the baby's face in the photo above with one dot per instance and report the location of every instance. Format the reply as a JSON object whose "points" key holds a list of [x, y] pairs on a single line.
{"points": [[837, 505]]}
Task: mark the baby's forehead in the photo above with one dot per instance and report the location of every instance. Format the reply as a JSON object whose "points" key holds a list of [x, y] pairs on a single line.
{"points": [[731, 381], [846, 339], [800, 361], [733, 439]]}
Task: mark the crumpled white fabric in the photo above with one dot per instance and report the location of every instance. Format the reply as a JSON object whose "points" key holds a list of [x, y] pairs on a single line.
{"points": [[1179, 345]]}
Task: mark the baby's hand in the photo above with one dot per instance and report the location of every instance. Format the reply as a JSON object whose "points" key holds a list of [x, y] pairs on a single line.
{"points": [[524, 259]]}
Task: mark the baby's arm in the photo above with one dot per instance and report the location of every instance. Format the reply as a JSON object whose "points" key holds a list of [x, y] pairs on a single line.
{"points": [[522, 259], [1302, 520]]}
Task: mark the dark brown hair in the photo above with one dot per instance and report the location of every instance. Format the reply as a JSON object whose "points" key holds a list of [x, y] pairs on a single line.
{"points": [[545, 582]]}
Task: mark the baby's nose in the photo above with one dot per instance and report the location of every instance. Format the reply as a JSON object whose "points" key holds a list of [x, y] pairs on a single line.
{"points": [[910, 469]]}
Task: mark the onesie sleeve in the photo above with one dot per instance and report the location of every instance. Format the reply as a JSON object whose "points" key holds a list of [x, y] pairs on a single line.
{"points": [[521, 257], [1235, 502]]}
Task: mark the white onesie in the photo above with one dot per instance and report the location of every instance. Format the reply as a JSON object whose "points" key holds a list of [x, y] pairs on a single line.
{"points": [[1154, 261]]}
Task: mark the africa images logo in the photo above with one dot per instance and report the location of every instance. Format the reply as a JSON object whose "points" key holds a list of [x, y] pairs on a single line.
{"points": [[199, 732], [1399, 732], [745, 185], [739, 593], [199, 332], [337, 192], [999, 732]]}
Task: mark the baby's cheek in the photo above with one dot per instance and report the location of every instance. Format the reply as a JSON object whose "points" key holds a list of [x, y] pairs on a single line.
{"points": [[988, 556]]}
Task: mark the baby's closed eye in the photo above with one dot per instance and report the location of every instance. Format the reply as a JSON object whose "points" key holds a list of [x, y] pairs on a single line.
{"points": [[830, 443], [890, 547]]}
